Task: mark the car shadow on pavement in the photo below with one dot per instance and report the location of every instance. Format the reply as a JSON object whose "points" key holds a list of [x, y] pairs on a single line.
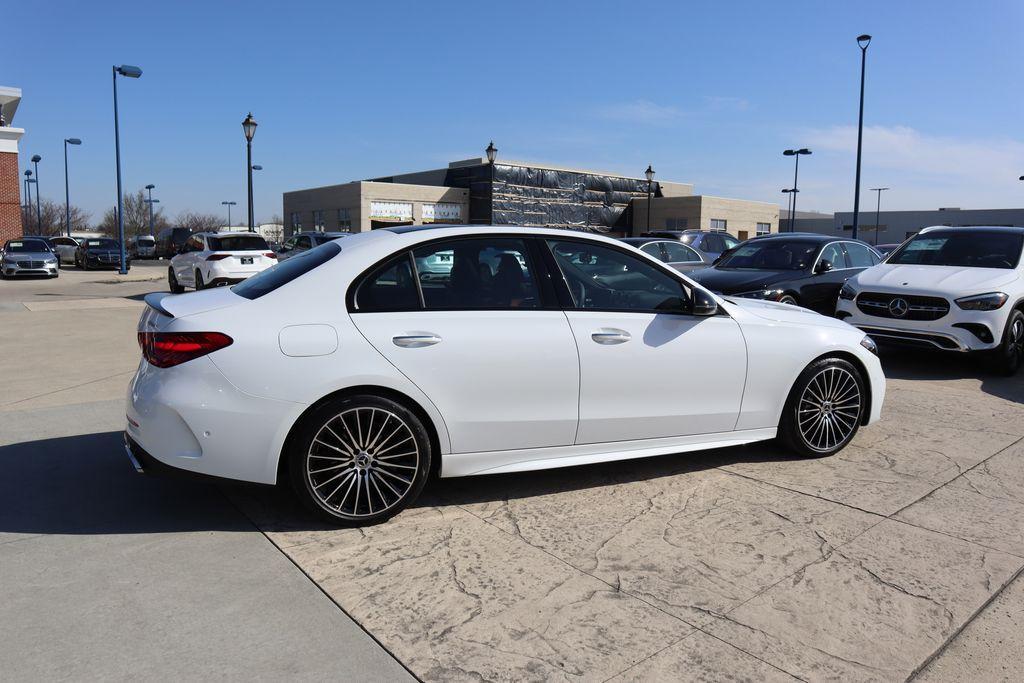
{"points": [[925, 365]]}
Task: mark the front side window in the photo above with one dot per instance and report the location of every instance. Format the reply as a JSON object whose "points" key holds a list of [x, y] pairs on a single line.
{"points": [[489, 273], [599, 277], [860, 256], [653, 249], [679, 253], [730, 241], [963, 248], [833, 253]]}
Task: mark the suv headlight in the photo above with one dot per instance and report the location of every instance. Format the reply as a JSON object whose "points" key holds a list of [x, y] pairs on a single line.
{"points": [[982, 302], [847, 293], [772, 294], [869, 344]]}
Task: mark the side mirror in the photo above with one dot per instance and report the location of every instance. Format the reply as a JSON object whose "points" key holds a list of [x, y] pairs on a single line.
{"points": [[824, 265], [703, 303]]}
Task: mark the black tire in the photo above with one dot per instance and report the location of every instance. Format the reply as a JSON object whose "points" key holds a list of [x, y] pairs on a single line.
{"points": [[199, 281], [172, 282], [789, 299], [815, 428], [1007, 359], [324, 473]]}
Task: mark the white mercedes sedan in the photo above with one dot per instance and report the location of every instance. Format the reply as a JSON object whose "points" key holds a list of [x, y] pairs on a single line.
{"points": [[358, 369]]}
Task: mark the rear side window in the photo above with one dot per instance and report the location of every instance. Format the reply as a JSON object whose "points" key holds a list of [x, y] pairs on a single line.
{"points": [[391, 287], [860, 256], [678, 253], [285, 271], [238, 243]]}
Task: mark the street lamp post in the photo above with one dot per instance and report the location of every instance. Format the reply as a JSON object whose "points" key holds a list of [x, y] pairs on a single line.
{"points": [[492, 154], [67, 192], [28, 197], [249, 128], [229, 205], [128, 72], [862, 42], [878, 210], [255, 167], [39, 214], [790, 196], [649, 174], [151, 201], [796, 172]]}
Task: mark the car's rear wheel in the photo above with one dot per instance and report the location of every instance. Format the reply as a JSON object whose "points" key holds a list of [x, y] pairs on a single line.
{"points": [[824, 409], [172, 282], [359, 460], [1008, 358]]}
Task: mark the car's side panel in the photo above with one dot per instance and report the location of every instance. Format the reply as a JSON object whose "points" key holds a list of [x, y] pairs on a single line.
{"points": [[663, 375], [502, 379]]}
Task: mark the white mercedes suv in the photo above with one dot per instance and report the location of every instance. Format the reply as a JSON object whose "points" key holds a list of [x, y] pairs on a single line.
{"points": [[213, 259], [955, 289]]}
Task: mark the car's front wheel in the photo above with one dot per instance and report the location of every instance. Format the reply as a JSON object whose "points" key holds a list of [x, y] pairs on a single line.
{"points": [[1008, 358], [172, 282], [824, 409], [199, 281], [359, 460]]}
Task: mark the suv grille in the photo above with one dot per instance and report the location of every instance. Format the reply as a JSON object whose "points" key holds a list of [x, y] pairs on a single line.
{"points": [[901, 306]]}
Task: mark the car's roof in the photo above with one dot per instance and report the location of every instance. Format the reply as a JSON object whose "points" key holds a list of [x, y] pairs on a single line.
{"points": [[227, 233], [804, 236], [645, 240], [1013, 230]]}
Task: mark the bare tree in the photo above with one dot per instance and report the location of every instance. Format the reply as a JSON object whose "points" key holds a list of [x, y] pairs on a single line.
{"points": [[195, 221], [52, 217], [136, 217]]}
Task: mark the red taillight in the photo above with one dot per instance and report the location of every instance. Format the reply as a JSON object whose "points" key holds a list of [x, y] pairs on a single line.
{"points": [[217, 257], [271, 254], [167, 349]]}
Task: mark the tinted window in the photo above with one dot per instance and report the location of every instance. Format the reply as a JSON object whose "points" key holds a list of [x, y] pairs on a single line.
{"points": [[237, 243], [101, 244], [654, 249], [391, 287], [604, 278], [678, 253], [712, 243], [488, 273], [771, 254], [859, 255], [833, 253], [966, 248], [285, 271], [730, 241], [303, 242]]}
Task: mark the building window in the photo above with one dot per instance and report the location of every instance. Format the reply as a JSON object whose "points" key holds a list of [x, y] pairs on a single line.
{"points": [[675, 224], [318, 220], [764, 228], [296, 220], [344, 220], [718, 224]]}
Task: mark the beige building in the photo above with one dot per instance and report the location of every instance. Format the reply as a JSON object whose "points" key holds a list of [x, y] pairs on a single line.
{"points": [[739, 217], [360, 206]]}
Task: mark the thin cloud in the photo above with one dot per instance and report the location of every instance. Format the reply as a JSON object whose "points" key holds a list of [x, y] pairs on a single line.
{"points": [[641, 111], [720, 103]]}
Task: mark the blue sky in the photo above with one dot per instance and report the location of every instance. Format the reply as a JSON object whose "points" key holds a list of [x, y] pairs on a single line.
{"points": [[708, 92]]}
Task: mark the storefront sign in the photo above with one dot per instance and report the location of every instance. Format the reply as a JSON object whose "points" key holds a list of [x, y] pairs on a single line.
{"points": [[391, 211], [445, 212]]}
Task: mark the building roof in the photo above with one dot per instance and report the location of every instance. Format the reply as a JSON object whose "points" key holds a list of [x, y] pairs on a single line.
{"points": [[9, 100]]}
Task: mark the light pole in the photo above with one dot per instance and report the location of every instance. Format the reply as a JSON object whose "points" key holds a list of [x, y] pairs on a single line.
{"points": [[249, 128], [67, 192], [790, 196], [796, 172], [128, 72], [229, 205], [649, 174], [878, 210], [492, 154], [255, 167], [28, 198], [151, 201], [862, 42], [39, 214]]}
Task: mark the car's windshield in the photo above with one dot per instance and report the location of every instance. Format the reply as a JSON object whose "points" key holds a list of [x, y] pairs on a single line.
{"points": [[238, 243], [26, 246], [145, 239], [774, 254], [963, 248], [101, 244]]}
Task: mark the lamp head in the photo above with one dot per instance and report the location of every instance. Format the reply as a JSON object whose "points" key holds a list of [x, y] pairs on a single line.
{"points": [[863, 41], [257, 167], [36, 158], [789, 152], [73, 141], [128, 71], [249, 127], [491, 151], [649, 173], [28, 172], [150, 187], [803, 150]]}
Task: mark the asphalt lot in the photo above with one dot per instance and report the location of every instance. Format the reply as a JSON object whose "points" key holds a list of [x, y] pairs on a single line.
{"points": [[898, 557]]}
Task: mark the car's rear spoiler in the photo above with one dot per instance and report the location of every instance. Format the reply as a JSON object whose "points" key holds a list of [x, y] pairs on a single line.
{"points": [[155, 301]]}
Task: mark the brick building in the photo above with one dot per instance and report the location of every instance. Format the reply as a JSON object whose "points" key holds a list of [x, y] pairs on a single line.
{"points": [[10, 180]]}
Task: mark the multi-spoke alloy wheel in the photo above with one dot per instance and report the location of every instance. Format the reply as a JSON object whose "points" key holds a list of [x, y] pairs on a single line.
{"points": [[825, 408], [362, 461], [1009, 356]]}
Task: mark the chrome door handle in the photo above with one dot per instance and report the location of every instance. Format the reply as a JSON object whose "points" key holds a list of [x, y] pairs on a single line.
{"points": [[415, 341], [608, 336]]}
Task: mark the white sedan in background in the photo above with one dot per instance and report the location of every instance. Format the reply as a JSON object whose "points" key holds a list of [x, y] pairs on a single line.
{"points": [[213, 259], [346, 372]]}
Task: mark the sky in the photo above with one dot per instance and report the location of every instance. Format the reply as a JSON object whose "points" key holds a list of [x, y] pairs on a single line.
{"points": [[708, 93]]}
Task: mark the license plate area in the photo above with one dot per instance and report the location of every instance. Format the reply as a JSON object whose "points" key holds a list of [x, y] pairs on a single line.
{"points": [[247, 260]]}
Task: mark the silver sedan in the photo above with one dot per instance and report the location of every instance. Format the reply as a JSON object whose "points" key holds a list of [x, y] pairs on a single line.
{"points": [[27, 256], [676, 254]]}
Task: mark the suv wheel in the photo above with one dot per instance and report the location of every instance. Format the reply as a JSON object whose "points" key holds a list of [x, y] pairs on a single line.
{"points": [[824, 409], [359, 460], [1008, 357], [172, 282], [199, 281]]}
